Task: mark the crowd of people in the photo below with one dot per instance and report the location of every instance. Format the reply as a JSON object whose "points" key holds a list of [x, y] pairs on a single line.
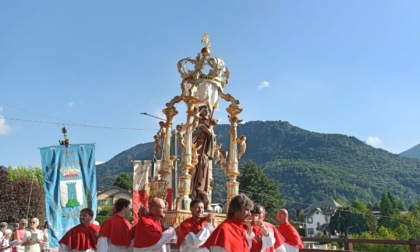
{"points": [[244, 229], [22, 238]]}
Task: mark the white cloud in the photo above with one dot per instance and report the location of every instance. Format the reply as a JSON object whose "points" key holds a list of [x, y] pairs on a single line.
{"points": [[374, 141], [72, 104], [264, 84], [99, 162], [4, 127]]}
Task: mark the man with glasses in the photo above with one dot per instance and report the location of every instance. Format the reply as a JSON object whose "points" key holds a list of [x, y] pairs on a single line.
{"points": [[82, 237], [150, 234], [233, 235], [115, 234]]}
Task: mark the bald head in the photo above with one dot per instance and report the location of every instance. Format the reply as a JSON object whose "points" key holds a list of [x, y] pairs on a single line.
{"points": [[157, 208], [282, 216]]}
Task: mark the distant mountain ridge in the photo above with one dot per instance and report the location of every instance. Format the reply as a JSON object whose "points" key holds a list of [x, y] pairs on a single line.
{"points": [[412, 152], [309, 166]]}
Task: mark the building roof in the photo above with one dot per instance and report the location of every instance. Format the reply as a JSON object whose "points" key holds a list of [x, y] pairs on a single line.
{"points": [[327, 207]]}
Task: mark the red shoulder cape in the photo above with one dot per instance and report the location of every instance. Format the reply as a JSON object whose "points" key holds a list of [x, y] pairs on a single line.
{"points": [[148, 232], [189, 225], [117, 230], [230, 235], [279, 238], [81, 237], [290, 235]]}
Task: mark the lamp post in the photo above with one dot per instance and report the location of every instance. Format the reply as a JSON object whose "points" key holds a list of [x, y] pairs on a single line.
{"points": [[174, 174]]}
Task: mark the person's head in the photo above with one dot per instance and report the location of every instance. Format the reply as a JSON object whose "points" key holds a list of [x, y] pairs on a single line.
{"points": [[197, 208], [258, 213], [142, 211], [240, 207], [34, 223], [122, 207], [86, 215], [23, 223], [203, 110], [3, 226], [15, 226], [282, 216], [157, 208], [7, 233]]}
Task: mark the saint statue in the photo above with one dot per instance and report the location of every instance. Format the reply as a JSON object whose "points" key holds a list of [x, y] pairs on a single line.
{"points": [[203, 138]]}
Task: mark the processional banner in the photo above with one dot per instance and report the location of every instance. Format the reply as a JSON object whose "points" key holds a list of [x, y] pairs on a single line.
{"points": [[69, 186], [143, 171]]}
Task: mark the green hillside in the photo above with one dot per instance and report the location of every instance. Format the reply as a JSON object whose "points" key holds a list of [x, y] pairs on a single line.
{"points": [[309, 166]]}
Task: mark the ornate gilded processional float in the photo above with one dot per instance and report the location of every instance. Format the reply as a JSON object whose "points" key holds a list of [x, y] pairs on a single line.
{"points": [[203, 82]]}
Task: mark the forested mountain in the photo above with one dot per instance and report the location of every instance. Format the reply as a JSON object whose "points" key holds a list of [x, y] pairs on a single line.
{"points": [[309, 166], [412, 152]]}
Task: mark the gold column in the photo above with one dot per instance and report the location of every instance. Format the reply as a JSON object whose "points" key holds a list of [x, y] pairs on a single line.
{"points": [[232, 171], [165, 170], [184, 180]]}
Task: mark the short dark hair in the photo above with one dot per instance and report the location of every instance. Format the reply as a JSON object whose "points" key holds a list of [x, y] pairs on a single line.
{"points": [[120, 204], [195, 201], [238, 203], [88, 211], [258, 209]]}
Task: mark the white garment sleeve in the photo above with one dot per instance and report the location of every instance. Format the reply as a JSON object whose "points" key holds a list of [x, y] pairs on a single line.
{"points": [[166, 237], [249, 238], [103, 244], [196, 240], [290, 248], [281, 248], [217, 249], [63, 248], [268, 241]]}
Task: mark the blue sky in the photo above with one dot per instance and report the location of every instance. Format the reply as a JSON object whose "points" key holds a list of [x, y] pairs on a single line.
{"points": [[347, 67]]}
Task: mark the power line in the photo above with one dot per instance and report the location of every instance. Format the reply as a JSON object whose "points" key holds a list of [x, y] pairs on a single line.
{"points": [[74, 124]]}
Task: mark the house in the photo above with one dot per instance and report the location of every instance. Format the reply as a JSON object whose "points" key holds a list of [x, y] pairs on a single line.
{"points": [[318, 216], [217, 207], [109, 196]]}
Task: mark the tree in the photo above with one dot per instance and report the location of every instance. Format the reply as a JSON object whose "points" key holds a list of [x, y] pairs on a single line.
{"points": [[124, 181], [30, 199], [8, 204], [261, 189], [348, 220], [22, 172], [389, 207]]}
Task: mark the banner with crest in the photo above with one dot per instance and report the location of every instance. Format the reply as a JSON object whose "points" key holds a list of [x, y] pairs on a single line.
{"points": [[69, 186]]}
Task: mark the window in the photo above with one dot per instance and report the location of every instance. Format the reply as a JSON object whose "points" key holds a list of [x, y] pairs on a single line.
{"points": [[318, 224], [101, 202], [310, 231], [310, 220]]}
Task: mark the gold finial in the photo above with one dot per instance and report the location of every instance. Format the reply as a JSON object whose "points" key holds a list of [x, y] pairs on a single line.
{"points": [[206, 40]]}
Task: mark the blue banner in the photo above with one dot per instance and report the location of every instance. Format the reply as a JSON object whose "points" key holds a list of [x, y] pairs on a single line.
{"points": [[69, 186]]}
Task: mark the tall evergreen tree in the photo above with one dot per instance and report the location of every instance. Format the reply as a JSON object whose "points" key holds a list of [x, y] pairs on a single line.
{"points": [[390, 208], [261, 189], [124, 181]]}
